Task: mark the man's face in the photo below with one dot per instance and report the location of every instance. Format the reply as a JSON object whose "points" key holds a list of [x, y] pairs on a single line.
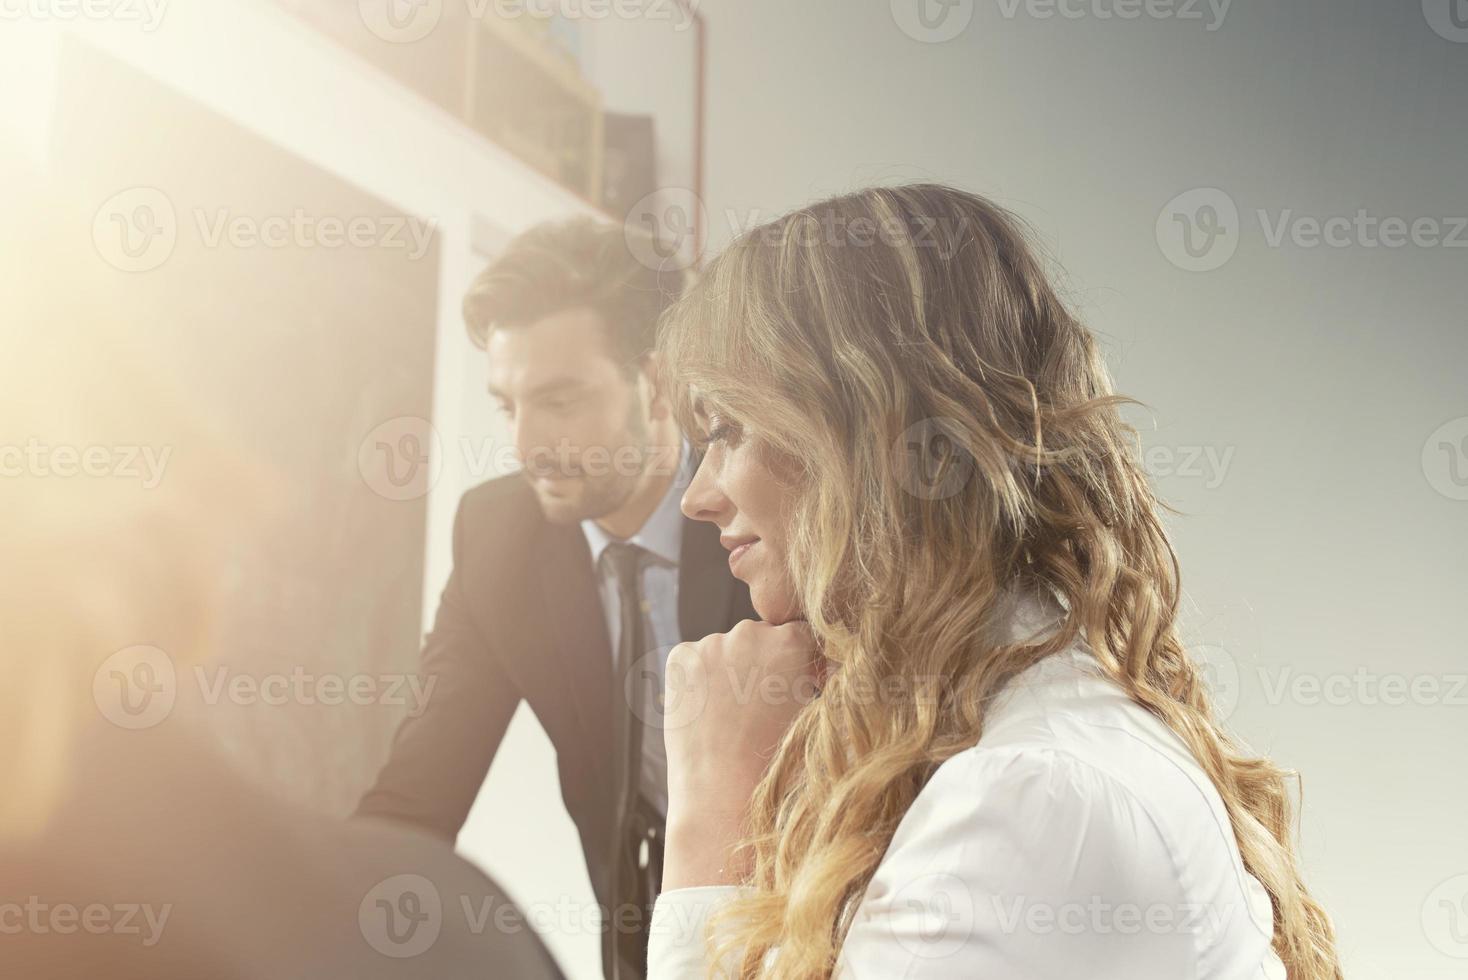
{"points": [[579, 420]]}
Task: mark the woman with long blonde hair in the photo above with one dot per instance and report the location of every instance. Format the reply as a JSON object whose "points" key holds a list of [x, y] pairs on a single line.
{"points": [[965, 741]]}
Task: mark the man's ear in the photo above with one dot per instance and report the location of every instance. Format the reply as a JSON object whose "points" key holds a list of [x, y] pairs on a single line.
{"points": [[659, 405]]}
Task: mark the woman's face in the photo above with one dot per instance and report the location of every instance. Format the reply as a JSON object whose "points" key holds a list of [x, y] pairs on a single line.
{"points": [[738, 488]]}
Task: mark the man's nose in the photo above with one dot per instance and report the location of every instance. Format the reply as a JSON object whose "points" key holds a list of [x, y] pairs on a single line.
{"points": [[533, 443]]}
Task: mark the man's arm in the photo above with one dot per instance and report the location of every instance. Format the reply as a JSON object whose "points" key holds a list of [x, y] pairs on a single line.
{"points": [[439, 757]]}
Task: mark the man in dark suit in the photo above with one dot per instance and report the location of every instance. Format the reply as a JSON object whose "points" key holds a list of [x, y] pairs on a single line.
{"points": [[573, 579]]}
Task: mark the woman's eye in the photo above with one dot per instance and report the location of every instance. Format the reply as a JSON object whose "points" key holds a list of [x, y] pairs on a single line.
{"points": [[722, 432]]}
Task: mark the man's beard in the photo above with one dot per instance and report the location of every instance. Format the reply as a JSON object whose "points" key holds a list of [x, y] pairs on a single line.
{"points": [[598, 494]]}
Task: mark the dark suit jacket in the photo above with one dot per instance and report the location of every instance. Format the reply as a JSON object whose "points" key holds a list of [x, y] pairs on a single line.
{"points": [[521, 618]]}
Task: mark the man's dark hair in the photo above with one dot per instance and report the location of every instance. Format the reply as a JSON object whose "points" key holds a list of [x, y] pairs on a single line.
{"points": [[564, 265]]}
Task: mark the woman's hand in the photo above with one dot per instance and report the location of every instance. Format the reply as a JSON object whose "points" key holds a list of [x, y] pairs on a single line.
{"points": [[730, 698]]}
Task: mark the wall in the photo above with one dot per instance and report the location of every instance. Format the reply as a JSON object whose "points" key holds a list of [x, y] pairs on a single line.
{"points": [[1325, 535]]}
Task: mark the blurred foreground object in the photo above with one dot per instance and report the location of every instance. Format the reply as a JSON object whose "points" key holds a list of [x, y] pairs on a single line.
{"points": [[139, 851]]}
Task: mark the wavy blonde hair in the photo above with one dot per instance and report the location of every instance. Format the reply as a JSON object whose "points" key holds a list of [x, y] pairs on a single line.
{"points": [[954, 432]]}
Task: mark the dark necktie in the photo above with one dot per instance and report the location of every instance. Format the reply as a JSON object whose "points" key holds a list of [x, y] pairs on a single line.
{"points": [[636, 828]]}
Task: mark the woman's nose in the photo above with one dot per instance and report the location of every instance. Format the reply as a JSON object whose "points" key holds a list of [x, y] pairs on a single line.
{"points": [[703, 500]]}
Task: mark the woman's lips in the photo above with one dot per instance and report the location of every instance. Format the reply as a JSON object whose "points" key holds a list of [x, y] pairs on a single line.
{"points": [[738, 553]]}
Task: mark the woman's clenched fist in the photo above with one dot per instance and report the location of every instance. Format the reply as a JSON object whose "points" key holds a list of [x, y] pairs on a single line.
{"points": [[729, 699]]}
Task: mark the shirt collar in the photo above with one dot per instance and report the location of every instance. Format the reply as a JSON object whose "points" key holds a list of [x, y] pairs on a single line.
{"points": [[662, 532]]}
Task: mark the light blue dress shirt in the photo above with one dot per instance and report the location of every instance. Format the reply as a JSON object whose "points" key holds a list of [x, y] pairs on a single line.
{"points": [[662, 537]]}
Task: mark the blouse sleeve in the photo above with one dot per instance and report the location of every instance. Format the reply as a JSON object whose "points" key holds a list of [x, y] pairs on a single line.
{"points": [[1025, 864], [676, 948], [1020, 864]]}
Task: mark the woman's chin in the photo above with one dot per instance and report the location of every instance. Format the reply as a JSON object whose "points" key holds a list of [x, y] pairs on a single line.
{"points": [[775, 607]]}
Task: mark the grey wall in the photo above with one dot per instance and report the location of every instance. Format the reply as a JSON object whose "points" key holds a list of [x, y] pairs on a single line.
{"points": [[1294, 390]]}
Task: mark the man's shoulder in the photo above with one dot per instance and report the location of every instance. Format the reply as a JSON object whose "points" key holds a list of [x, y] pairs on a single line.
{"points": [[503, 509], [502, 495]]}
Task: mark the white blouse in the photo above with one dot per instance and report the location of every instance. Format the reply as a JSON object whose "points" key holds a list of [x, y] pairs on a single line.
{"points": [[1077, 838]]}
